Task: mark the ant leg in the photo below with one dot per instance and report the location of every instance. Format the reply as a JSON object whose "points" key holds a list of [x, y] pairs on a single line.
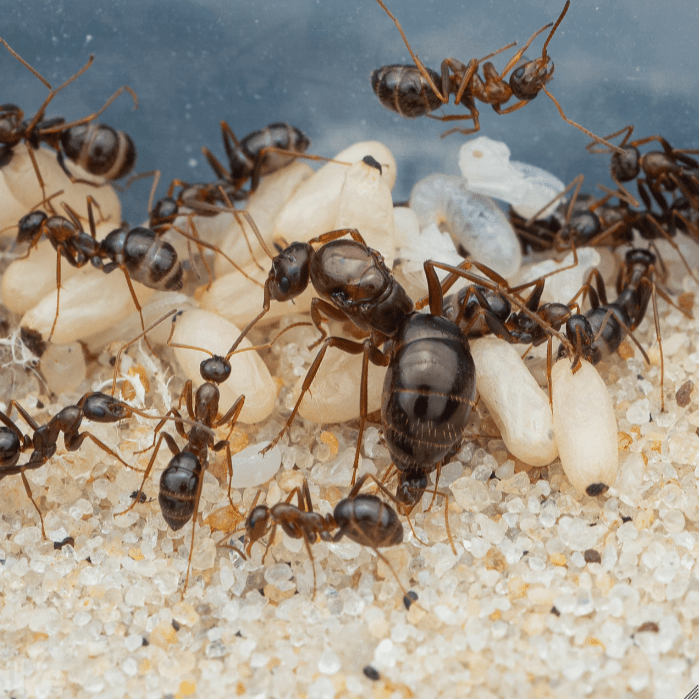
{"points": [[627, 131], [31, 497], [368, 348], [58, 290], [346, 346], [474, 114], [216, 166], [137, 304], [418, 63], [318, 309], [94, 115], [74, 442], [587, 132], [173, 448], [334, 235], [265, 308]]}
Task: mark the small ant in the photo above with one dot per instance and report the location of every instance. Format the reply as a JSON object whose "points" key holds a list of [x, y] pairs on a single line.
{"points": [[600, 331], [181, 481], [362, 518], [99, 149], [139, 253], [663, 171], [94, 406], [413, 91], [259, 153]]}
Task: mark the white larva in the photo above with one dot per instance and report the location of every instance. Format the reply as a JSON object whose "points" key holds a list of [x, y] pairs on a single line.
{"points": [[475, 222], [518, 405], [585, 425]]}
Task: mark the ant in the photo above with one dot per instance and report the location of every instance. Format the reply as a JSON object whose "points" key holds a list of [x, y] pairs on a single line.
{"points": [[413, 91], [600, 331], [663, 171], [259, 153], [95, 406], [98, 149], [362, 518], [181, 481], [139, 253]]}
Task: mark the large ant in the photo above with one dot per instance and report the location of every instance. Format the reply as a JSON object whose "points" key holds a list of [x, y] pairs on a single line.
{"points": [[413, 91], [361, 517], [98, 149], [430, 386], [138, 252], [94, 406]]}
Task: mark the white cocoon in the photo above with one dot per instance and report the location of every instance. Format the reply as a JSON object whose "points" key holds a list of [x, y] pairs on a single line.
{"points": [[518, 405], [585, 424]]}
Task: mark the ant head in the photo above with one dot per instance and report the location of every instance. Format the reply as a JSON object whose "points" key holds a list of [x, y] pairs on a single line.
{"points": [[641, 257], [216, 369], [528, 80], [100, 407], [410, 489], [625, 168], [31, 226], [290, 272]]}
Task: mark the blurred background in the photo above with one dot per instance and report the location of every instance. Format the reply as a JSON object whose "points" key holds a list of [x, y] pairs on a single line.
{"points": [[308, 62]]}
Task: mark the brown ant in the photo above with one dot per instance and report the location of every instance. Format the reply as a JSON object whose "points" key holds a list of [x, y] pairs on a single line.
{"points": [[97, 148], [259, 153], [413, 91], [139, 253], [94, 406], [600, 331], [663, 171], [363, 518]]}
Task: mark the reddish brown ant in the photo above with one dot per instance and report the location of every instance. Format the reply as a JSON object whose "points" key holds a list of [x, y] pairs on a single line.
{"points": [[413, 91]]}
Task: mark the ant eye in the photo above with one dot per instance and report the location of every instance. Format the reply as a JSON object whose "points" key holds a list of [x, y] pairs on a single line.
{"points": [[519, 73], [284, 285]]}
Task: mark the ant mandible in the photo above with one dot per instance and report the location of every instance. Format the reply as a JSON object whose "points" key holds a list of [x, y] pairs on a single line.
{"points": [[413, 91]]}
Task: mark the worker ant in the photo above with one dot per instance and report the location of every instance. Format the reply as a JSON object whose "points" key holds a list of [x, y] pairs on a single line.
{"points": [[663, 171], [98, 149], [94, 406], [362, 518], [413, 91], [139, 253], [259, 153]]}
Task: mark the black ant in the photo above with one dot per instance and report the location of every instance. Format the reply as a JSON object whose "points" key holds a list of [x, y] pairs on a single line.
{"points": [[363, 518], [139, 253], [413, 91], [182, 479], [94, 406], [98, 149]]}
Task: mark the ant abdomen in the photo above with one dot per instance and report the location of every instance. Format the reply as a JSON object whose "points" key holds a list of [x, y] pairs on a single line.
{"points": [[100, 150], [279, 135], [178, 489], [146, 258], [10, 448], [429, 391], [404, 90], [369, 521]]}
